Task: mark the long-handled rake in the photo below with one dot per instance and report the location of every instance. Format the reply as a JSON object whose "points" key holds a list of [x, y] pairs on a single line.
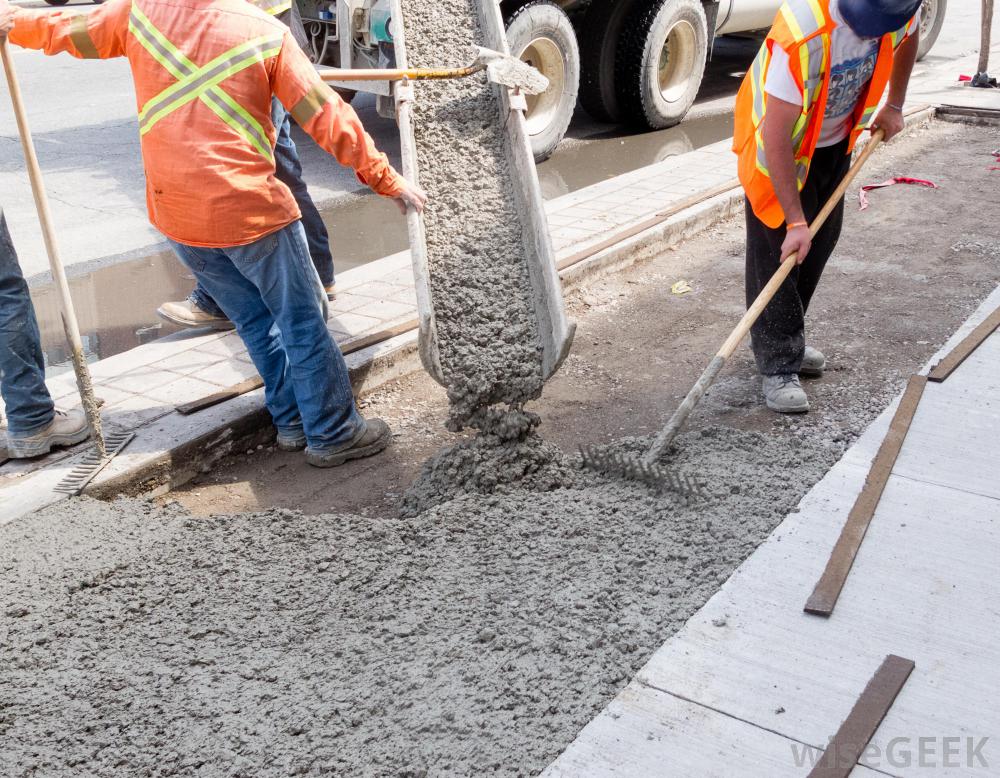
{"points": [[500, 68], [647, 468], [72, 329]]}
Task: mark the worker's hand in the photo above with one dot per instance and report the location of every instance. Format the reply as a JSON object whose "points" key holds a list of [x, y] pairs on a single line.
{"points": [[889, 119], [411, 196], [6, 19], [799, 240]]}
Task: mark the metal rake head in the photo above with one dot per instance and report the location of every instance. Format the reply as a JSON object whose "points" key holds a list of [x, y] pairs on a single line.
{"points": [[634, 468], [93, 463]]}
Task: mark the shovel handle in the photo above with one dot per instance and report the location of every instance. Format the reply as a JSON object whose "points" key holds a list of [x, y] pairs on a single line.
{"points": [[680, 416], [398, 74]]}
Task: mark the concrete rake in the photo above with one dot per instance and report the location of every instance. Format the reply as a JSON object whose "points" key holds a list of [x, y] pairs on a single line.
{"points": [[646, 468]]}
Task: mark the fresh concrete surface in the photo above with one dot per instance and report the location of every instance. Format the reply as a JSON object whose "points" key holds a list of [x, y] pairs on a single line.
{"points": [[751, 677]]}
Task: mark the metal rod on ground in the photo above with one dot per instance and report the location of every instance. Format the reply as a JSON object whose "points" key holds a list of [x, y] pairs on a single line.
{"points": [[645, 468], [70, 325], [666, 436]]}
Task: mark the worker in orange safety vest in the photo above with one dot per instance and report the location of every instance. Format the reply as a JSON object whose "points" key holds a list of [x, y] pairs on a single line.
{"points": [[204, 74], [813, 88]]}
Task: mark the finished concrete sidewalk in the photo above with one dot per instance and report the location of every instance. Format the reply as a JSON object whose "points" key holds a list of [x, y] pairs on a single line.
{"points": [[754, 687]]}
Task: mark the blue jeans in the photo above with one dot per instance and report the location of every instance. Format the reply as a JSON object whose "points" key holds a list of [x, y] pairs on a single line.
{"points": [[271, 292], [288, 170], [22, 363]]}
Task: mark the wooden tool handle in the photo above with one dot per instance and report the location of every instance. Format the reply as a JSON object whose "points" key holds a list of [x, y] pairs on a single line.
{"points": [[70, 325], [758, 306], [680, 416], [398, 74]]}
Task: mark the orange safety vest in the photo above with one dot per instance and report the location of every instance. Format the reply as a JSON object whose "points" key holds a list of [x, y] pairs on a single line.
{"points": [[803, 29]]}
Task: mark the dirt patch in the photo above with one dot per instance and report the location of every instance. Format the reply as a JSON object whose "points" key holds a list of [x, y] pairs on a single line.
{"points": [[480, 635]]}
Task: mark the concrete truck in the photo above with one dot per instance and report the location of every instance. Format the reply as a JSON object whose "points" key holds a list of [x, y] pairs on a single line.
{"points": [[638, 62]]}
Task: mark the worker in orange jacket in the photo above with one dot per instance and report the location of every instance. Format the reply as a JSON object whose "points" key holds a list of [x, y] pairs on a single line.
{"points": [[813, 88], [199, 309], [204, 73]]}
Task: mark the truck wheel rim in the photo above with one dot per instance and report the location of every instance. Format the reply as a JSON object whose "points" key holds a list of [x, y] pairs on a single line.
{"points": [[544, 55], [928, 12], [677, 61]]}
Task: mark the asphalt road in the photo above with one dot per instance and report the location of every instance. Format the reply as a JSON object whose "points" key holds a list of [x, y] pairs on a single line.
{"points": [[82, 114]]}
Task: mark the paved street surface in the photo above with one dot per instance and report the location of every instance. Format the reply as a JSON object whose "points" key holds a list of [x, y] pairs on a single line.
{"points": [[82, 114]]}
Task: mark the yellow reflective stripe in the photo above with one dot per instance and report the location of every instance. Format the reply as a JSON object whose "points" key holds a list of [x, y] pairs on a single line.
{"points": [[158, 45], [233, 114], [793, 24], [273, 7], [81, 39], [761, 160], [757, 77], [818, 17], [799, 130], [212, 95], [219, 69], [311, 103]]}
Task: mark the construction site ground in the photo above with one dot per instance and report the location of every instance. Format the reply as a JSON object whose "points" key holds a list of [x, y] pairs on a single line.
{"points": [[906, 273], [317, 632]]}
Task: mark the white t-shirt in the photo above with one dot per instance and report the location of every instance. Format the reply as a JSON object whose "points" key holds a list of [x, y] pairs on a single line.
{"points": [[852, 65]]}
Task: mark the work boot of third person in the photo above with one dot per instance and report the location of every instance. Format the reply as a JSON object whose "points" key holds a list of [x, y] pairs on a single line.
{"points": [[784, 394], [373, 440], [187, 313]]}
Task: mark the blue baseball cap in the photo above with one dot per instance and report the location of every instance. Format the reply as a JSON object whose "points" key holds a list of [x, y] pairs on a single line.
{"points": [[875, 18]]}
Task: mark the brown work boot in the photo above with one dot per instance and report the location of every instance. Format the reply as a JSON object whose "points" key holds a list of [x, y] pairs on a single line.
{"points": [[187, 313], [67, 428], [373, 440], [331, 292]]}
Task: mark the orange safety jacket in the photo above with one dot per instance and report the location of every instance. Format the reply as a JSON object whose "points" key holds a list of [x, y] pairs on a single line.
{"points": [[204, 73], [803, 29]]}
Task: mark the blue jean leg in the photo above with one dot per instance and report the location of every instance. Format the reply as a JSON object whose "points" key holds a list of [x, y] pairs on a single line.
{"points": [[288, 170], [22, 362], [272, 293]]}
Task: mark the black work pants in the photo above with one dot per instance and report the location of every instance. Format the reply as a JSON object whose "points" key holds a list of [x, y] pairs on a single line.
{"points": [[778, 336]]}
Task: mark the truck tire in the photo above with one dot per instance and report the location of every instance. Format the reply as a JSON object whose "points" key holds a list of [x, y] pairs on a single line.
{"points": [[57, 2], [540, 33], [931, 19], [600, 31], [660, 62]]}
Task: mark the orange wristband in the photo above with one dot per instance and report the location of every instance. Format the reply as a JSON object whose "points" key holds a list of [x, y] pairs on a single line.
{"points": [[789, 225]]}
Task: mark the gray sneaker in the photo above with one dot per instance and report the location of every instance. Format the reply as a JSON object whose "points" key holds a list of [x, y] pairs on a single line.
{"points": [[784, 394], [66, 429], [373, 440], [813, 363]]}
